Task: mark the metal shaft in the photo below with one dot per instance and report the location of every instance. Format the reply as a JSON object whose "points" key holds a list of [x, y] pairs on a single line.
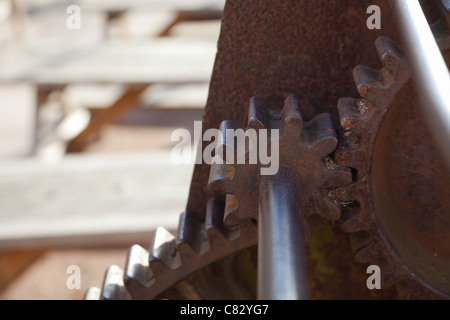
{"points": [[430, 72], [281, 244]]}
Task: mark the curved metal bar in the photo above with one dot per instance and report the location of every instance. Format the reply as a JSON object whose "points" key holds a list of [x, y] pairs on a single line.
{"points": [[429, 69]]}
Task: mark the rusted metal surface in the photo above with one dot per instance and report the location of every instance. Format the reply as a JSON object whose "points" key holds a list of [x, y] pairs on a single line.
{"points": [[397, 210], [304, 148], [411, 185], [271, 49], [303, 145], [274, 48], [173, 258]]}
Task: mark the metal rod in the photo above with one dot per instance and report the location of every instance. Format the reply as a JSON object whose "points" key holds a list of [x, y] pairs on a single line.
{"points": [[429, 70], [281, 244]]}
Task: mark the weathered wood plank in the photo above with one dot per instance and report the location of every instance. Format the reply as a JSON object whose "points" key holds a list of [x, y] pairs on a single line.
{"points": [[118, 5], [17, 120], [105, 117], [182, 16], [164, 60], [165, 96], [90, 195]]}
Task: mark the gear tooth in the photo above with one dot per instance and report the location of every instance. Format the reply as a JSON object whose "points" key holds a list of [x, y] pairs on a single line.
{"points": [[364, 247], [349, 115], [165, 249], [444, 6], [319, 136], [336, 175], [441, 29], [291, 116], [231, 216], [349, 157], [224, 126], [221, 178], [391, 273], [349, 192], [367, 254], [361, 123], [214, 220], [328, 210], [113, 286], [388, 279], [214, 215], [226, 148], [257, 114], [444, 9], [353, 113], [192, 232], [391, 54], [355, 220], [92, 293], [137, 270], [147, 275], [370, 82]]}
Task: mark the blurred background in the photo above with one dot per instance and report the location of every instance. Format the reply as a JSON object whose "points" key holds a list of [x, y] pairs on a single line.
{"points": [[90, 92]]}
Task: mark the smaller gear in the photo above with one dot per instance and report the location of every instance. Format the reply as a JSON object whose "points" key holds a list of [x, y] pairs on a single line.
{"points": [[304, 146]]}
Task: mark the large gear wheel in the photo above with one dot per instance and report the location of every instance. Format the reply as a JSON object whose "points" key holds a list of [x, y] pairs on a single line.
{"points": [[184, 266], [397, 209]]}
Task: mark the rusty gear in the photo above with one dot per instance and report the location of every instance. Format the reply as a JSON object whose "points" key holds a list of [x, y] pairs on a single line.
{"points": [[172, 259], [397, 209], [148, 275], [164, 271], [304, 146]]}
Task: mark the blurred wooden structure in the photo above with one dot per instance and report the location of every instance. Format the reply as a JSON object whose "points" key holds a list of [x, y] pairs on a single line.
{"points": [[51, 205]]}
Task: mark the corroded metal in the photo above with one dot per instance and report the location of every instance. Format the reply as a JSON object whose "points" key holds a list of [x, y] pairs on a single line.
{"points": [[303, 149], [269, 49], [171, 259], [304, 146], [397, 210]]}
